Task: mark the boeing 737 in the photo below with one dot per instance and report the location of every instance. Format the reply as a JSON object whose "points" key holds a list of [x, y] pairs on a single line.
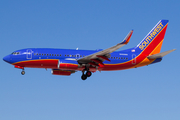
{"points": [[68, 61]]}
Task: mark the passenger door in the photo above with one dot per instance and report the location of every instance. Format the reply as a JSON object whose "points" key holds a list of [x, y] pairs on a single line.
{"points": [[29, 54], [133, 59]]}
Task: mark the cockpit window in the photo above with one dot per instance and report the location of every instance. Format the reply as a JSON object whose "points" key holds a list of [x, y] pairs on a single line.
{"points": [[16, 53]]}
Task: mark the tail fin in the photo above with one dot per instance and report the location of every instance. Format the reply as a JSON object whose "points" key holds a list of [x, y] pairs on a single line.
{"points": [[152, 43]]}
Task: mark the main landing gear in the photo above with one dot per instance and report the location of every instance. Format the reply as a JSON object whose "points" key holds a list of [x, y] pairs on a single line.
{"points": [[85, 75]]}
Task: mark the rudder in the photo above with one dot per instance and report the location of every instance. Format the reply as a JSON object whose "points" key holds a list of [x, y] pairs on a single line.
{"points": [[152, 43]]}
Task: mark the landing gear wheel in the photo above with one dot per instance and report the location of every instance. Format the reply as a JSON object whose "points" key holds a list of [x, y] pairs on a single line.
{"points": [[23, 72], [88, 73], [83, 77]]}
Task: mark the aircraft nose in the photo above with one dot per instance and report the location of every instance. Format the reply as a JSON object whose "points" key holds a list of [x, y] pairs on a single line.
{"points": [[7, 59]]}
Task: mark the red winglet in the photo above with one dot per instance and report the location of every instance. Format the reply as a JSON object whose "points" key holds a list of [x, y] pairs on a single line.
{"points": [[127, 38], [103, 57]]}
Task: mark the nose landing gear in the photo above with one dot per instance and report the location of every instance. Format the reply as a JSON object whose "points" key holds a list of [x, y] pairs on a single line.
{"points": [[19, 67], [23, 72]]}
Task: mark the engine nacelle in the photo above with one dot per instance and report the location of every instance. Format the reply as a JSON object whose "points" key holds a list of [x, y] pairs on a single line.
{"points": [[62, 72]]}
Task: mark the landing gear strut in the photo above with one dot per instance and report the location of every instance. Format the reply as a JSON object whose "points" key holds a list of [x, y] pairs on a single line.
{"points": [[88, 74], [20, 67]]}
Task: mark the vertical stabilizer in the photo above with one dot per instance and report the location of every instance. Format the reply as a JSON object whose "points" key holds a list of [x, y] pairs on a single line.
{"points": [[152, 43]]}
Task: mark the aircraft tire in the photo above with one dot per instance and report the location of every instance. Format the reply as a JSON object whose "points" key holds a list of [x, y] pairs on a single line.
{"points": [[23, 72], [88, 73], [83, 77]]}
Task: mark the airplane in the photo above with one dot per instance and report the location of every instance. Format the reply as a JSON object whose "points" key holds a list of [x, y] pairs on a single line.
{"points": [[68, 61]]}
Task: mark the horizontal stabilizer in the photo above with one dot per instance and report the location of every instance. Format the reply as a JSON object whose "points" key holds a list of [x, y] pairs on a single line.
{"points": [[160, 55]]}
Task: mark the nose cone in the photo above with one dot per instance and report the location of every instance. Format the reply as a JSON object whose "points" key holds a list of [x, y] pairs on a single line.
{"points": [[7, 59]]}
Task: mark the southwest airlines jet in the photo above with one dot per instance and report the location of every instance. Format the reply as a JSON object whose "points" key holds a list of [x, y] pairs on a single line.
{"points": [[68, 61]]}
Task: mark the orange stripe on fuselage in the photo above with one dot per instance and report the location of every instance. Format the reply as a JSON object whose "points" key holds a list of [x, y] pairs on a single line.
{"points": [[147, 61], [157, 49], [141, 60], [153, 48]]}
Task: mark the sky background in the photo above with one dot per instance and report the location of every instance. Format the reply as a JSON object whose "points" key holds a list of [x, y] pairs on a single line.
{"points": [[147, 93]]}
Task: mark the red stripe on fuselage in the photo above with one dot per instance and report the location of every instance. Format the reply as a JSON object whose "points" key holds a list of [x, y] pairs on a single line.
{"points": [[42, 63], [142, 56]]}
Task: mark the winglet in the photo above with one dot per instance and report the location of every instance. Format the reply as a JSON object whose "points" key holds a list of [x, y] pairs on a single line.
{"points": [[127, 38], [160, 55]]}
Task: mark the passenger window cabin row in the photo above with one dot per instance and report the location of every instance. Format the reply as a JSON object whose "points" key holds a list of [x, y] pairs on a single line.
{"points": [[58, 55], [122, 58]]}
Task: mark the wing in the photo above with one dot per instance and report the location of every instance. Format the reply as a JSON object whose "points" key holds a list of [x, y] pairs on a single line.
{"points": [[99, 57]]}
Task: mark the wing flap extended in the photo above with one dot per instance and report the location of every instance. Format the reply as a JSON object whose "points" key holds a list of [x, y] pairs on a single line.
{"points": [[160, 55], [104, 54]]}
